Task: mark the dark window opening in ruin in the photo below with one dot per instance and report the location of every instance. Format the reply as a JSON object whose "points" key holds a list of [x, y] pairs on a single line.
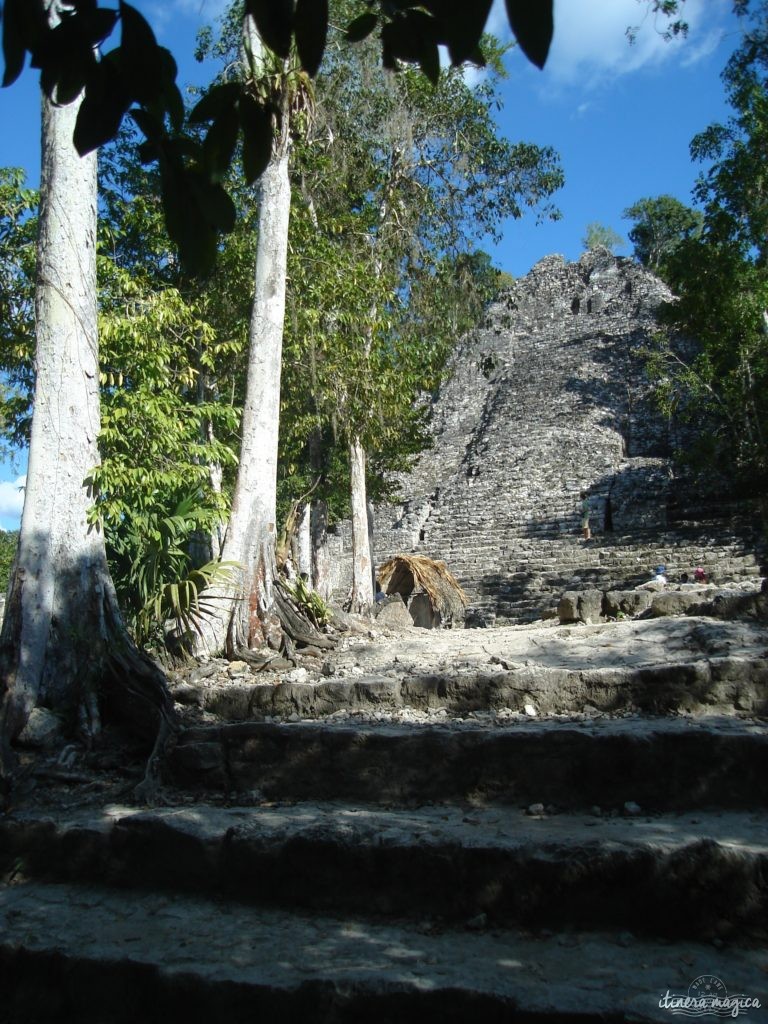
{"points": [[576, 305], [589, 305], [628, 288], [421, 534]]}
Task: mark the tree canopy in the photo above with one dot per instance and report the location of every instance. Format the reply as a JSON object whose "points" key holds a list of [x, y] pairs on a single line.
{"points": [[660, 225], [138, 76], [719, 276], [598, 235]]}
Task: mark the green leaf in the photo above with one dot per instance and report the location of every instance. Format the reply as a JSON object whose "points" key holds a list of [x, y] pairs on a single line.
{"points": [[220, 141], [149, 70], [274, 20], [216, 101], [533, 24], [169, 92], [462, 26], [14, 40], [66, 85], [311, 31], [429, 62], [256, 122], [102, 110], [138, 41], [148, 123], [411, 38], [217, 206], [361, 27]]}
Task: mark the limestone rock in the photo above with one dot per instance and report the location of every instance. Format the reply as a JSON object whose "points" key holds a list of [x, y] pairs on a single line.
{"points": [[675, 602], [584, 606], [393, 614], [568, 608], [626, 602], [43, 729], [590, 606]]}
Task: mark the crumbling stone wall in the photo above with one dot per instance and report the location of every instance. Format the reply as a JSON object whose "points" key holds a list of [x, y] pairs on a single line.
{"points": [[548, 397]]}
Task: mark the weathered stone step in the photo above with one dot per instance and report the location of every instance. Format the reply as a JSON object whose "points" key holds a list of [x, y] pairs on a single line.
{"points": [[699, 876], [661, 764], [721, 685], [96, 956]]}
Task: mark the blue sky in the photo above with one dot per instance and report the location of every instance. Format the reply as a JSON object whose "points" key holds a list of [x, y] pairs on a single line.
{"points": [[620, 116]]}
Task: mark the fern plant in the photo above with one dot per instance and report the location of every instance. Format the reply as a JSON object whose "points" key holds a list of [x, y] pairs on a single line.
{"points": [[310, 602], [154, 572]]}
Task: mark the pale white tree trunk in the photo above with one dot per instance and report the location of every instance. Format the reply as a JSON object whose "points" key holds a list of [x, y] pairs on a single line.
{"points": [[304, 543], [59, 560], [251, 533], [361, 599], [248, 619], [321, 562], [363, 569], [62, 632]]}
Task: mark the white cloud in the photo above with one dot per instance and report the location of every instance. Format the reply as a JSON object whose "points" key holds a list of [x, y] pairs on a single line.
{"points": [[590, 42], [163, 16], [204, 11], [12, 498]]}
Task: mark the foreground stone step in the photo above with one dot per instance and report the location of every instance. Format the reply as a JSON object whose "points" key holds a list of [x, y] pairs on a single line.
{"points": [[660, 764], [95, 955], [702, 876], [717, 685]]}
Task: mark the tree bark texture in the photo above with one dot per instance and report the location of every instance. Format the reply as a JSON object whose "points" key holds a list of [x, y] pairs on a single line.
{"points": [[249, 620], [62, 632], [361, 598], [304, 543], [321, 562], [255, 614]]}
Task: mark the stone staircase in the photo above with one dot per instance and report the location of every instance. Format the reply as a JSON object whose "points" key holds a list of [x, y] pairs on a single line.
{"points": [[522, 578], [548, 398], [474, 864]]}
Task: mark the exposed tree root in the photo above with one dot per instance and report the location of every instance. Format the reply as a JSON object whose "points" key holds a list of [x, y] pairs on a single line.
{"points": [[295, 623], [109, 677]]}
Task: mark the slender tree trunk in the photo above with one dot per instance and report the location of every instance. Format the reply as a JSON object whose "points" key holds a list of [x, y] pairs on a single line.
{"points": [[63, 642], [363, 570], [304, 543], [251, 533], [361, 599], [248, 618], [260, 612], [321, 563]]}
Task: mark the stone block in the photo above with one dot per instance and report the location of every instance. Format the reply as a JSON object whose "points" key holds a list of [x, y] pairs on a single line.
{"points": [[567, 609], [674, 602], [393, 614], [627, 602], [590, 606]]}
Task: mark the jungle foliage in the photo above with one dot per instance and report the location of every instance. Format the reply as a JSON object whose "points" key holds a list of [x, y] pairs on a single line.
{"points": [[718, 268]]}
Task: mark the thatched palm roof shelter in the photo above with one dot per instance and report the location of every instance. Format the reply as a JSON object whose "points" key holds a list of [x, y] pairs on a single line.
{"points": [[405, 574]]}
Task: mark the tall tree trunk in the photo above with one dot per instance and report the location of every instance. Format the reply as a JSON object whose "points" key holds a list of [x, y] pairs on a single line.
{"points": [[251, 533], [361, 599], [260, 611], [248, 619], [321, 562], [304, 543], [63, 642]]}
